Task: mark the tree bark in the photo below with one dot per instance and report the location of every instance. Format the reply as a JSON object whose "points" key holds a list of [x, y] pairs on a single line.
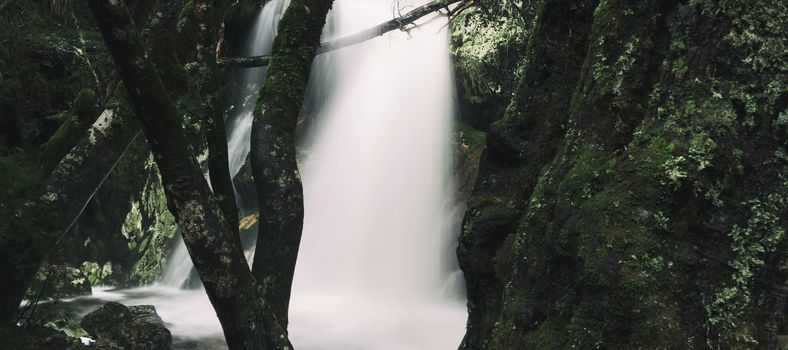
{"points": [[590, 223], [542, 103], [214, 96], [358, 38], [81, 116], [273, 151], [212, 243]]}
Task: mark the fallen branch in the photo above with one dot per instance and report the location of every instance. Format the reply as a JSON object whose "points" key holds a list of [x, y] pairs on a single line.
{"points": [[360, 37]]}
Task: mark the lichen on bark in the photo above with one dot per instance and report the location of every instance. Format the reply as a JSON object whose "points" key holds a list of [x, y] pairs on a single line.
{"points": [[635, 184]]}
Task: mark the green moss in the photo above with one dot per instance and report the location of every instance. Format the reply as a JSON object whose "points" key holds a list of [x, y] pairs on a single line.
{"points": [[487, 51], [148, 228], [470, 138], [662, 209], [96, 274]]}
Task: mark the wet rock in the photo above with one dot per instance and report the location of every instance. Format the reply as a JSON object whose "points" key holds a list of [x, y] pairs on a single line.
{"points": [[132, 328], [145, 313]]}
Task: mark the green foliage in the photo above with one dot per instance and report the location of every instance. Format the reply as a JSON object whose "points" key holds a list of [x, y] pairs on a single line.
{"points": [[759, 238], [68, 326], [484, 50], [96, 273], [148, 227], [470, 138]]}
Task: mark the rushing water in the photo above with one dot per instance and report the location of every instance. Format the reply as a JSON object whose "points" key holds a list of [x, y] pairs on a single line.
{"points": [[376, 268], [370, 273], [179, 267]]}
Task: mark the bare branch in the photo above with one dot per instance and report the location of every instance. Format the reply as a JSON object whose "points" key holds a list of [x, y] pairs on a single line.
{"points": [[397, 23], [388, 26]]}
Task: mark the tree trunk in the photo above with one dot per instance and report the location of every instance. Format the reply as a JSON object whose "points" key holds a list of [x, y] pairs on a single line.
{"points": [[212, 243], [273, 149], [636, 184], [76, 177], [215, 101], [37, 228], [542, 104]]}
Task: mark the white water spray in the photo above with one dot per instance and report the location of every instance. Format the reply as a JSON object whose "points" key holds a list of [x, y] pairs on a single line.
{"points": [[371, 272], [239, 126]]}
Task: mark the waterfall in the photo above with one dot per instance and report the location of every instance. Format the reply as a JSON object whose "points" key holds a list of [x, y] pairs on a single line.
{"points": [[372, 272], [376, 267], [179, 266], [239, 125]]}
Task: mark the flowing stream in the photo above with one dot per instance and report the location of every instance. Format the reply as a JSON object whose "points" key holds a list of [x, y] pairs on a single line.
{"points": [[376, 268]]}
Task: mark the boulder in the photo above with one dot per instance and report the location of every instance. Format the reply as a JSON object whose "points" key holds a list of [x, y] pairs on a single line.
{"points": [[145, 313], [132, 328]]}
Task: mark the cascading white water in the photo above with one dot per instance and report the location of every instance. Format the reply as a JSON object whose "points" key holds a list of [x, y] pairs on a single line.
{"points": [[179, 266], [239, 125], [371, 272], [376, 269]]}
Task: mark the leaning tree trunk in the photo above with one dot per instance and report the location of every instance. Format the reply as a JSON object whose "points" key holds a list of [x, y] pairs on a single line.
{"points": [[273, 149], [637, 184], [35, 231], [212, 243]]}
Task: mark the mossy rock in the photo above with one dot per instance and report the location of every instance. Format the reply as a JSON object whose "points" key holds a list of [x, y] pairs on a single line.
{"points": [[59, 282], [488, 43], [135, 328]]}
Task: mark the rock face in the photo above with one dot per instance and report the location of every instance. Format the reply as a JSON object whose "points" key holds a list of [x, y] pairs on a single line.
{"points": [[633, 194], [133, 328], [59, 282]]}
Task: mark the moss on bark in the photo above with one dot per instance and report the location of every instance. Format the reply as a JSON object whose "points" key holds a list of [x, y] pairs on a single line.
{"points": [[633, 196]]}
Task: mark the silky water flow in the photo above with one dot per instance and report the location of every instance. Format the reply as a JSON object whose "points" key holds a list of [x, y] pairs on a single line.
{"points": [[376, 267]]}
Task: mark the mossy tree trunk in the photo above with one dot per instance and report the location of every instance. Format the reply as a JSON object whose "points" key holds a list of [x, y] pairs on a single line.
{"points": [[215, 98], [273, 149], [78, 159], [40, 224], [37, 228], [212, 242], [634, 194]]}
